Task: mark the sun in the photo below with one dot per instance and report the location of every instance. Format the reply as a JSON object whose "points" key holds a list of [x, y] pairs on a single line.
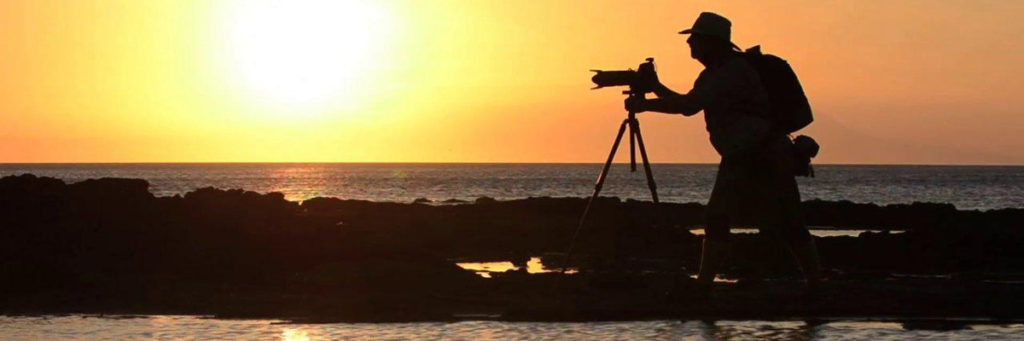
{"points": [[302, 52]]}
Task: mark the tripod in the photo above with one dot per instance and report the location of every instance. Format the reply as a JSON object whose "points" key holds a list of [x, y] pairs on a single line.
{"points": [[635, 140]]}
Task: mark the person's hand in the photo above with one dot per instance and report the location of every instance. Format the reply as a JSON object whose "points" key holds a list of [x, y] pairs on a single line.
{"points": [[636, 104]]}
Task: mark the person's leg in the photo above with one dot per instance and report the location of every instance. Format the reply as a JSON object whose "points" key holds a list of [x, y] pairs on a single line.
{"points": [[801, 247], [714, 249], [721, 206], [805, 251], [790, 219]]}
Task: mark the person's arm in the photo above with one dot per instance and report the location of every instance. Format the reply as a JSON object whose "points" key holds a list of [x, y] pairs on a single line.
{"points": [[663, 91], [668, 101], [684, 104], [673, 103]]}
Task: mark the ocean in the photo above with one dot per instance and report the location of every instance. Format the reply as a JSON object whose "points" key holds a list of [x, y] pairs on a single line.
{"points": [[967, 187]]}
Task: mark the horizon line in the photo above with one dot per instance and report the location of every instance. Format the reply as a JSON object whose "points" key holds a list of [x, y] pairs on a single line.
{"points": [[473, 163]]}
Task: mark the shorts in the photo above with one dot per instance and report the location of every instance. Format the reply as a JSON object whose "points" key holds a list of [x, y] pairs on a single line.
{"points": [[758, 188]]}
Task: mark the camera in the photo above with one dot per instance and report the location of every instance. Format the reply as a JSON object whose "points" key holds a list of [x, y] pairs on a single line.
{"points": [[639, 81]]}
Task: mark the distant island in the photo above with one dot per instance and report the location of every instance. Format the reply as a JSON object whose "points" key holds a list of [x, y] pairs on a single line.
{"points": [[109, 246]]}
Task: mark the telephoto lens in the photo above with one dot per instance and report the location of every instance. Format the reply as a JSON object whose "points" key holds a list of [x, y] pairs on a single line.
{"points": [[613, 78], [636, 80]]}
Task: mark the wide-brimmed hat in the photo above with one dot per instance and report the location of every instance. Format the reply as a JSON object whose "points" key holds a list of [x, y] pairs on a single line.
{"points": [[712, 25]]}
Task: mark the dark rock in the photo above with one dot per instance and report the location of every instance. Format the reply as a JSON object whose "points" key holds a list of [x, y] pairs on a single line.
{"points": [[108, 245], [485, 200]]}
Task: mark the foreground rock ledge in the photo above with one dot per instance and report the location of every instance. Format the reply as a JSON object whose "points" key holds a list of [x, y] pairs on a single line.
{"points": [[110, 246]]}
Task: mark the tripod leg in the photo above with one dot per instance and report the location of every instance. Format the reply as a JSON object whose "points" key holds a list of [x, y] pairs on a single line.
{"points": [[632, 148], [635, 129], [597, 191]]}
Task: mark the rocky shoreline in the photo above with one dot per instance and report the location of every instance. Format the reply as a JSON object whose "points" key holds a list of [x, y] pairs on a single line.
{"points": [[110, 246]]}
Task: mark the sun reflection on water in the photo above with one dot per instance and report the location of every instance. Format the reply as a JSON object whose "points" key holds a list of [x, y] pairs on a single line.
{"points": [[294, 335], [484, 269]]}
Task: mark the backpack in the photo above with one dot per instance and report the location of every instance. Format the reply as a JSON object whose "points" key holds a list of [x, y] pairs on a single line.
{"points": [[789, 110]]}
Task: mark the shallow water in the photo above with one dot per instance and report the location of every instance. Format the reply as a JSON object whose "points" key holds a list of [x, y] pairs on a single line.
{"points": [[189, 328], [533, 266], [967, 187], [815, 232]]}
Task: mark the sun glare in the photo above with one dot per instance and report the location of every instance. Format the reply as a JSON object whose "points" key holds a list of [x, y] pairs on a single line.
{"points": [[303, 52]]}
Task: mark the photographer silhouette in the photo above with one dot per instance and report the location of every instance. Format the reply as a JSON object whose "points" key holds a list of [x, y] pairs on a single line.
{"points": [[756, 172]]}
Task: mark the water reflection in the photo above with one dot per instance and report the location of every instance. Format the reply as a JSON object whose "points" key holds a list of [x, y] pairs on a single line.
{"points": [[282, 180], [80, 327], [758, 330], [484, 269], [815, 232], [290, 334]]}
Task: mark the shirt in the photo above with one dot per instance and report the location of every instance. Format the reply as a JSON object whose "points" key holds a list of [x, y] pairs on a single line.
{"points": [[734, 103]]}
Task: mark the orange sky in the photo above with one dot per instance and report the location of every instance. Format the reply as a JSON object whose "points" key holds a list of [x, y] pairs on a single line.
{"points": [[918, 82]]}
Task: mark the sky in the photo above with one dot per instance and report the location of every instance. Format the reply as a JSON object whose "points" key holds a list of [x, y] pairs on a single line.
{"points": [[890, 82]]}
